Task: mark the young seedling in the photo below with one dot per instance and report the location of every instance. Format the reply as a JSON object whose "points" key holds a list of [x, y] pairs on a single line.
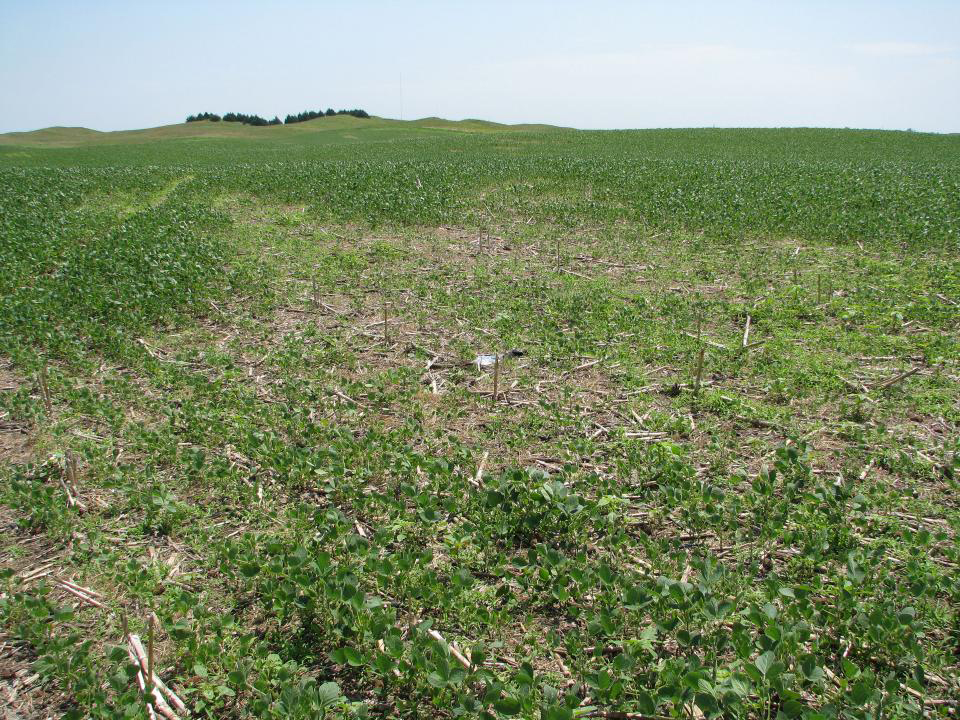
{"points": [[819, 287]]}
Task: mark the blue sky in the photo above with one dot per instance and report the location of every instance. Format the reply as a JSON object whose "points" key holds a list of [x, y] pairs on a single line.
{"points": [[591, 64]]}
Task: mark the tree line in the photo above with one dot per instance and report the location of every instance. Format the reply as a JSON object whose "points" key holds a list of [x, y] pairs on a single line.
{"points": [[330, 112], [258, 121], [235, 117]]}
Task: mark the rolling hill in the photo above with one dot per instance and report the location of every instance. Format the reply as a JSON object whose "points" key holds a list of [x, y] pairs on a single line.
{"points": [[80, 136]]}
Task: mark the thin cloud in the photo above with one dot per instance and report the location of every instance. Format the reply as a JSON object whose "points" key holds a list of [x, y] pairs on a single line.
{"points": [[900, 49]]}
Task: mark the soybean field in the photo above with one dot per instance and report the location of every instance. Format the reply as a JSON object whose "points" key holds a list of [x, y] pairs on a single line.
{"points": [[377, 419]]}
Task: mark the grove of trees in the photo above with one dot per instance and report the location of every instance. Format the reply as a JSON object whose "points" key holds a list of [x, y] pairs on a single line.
{"points": [[314, 114], [204, 116], [258, 121]]}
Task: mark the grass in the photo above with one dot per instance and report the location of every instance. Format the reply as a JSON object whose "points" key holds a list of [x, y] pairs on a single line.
{"points": [[312, 131], [660, 514]]}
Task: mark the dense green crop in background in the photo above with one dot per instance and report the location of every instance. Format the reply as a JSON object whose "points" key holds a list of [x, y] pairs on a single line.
{"points": [[825, 184], [718, 477]]}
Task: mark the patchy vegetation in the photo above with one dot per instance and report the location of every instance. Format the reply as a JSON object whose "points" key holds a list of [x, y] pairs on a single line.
{"points": [[708, 468]]}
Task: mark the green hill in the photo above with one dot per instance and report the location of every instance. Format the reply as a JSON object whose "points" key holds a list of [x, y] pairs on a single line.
{"points": [[245, 383], [79, 136]]}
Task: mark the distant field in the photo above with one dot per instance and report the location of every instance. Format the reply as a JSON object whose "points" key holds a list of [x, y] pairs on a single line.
{"points": [[321, 130], [712, 473]]}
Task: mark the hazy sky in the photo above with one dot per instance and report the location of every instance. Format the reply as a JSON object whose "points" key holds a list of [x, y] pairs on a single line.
{"points": [[590, 63]]}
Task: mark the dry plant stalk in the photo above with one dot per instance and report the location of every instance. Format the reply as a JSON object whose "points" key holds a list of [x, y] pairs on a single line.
{"points": [[480, 468], [894, 380], [160, 691], [496, 378], [71, 463], [69, 485], [151, 692], [150, 633], [36, 573], [45, 389], [81, 593], [71, 500], [583, 366], [699, 379], [458, 656], [81, 588], [705, 341], [143, 688]]}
